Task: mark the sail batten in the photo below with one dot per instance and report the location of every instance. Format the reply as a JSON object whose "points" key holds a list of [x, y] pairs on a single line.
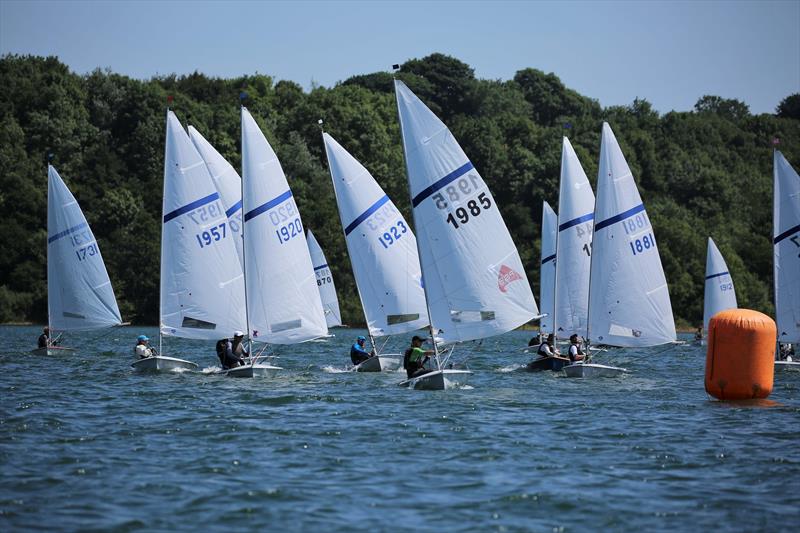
{"points": [[79, 291], [475, 283]]}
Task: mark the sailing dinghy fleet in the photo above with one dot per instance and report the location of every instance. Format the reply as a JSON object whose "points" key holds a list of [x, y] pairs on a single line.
{"points": [[460, 276]]}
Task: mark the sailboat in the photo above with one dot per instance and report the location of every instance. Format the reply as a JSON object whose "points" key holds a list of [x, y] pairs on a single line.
{"points": [[786, 246], [327, 289], [629, 303], [79, 292], [228, 185], [474, 282], [283, 301], [383, 253], [202, 286], [719, 291]]}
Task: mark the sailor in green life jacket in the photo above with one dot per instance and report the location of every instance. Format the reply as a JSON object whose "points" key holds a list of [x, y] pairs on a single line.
{"points": [[415, 358], [357, 352]]}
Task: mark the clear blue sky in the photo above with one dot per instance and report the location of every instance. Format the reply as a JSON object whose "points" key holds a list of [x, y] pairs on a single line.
{"points": [[670, 53]]}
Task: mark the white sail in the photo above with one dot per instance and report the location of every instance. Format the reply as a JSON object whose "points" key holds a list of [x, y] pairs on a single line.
{"points": [[202, 286], [547, 285], [786, 243], [327, 289], [228, 184], [283, 301], [474, 279], [574, 250], [79, 293], [719, 293], [628, 295], [381, 245]]}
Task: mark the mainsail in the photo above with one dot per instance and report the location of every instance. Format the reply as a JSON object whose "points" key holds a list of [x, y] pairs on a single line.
{"points": [[629, 301], [574, 250], [327, 289], [719, 292], [786, 243], [283, 301], [547, 287], [228, 184], [381, 245], [202, 286], [475, 283], [79, 293]]}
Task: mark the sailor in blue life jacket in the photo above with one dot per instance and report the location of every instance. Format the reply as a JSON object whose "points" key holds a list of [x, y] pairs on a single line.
{"points": [[357, 352], [231, 352], [575, 352]]}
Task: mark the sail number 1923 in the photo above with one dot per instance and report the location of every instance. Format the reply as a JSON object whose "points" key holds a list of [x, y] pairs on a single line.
{"points": [[473, 209]]}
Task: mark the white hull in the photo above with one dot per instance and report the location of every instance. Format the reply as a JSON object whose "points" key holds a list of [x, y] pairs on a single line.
{"points": [[787, 365], [52, 350], [438, 380], [380, 363], [161, 363], [591, 370], [253, 371]]}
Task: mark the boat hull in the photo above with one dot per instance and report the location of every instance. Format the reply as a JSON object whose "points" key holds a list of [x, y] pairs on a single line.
{"points": [[253, 371], [438, 380], [592, 370], [162, 363], [380, 363], [547, 363], [52, 350], [787, 365]]}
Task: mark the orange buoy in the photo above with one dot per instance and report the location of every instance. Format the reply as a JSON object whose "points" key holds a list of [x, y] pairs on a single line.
{"points": [[740, 356]]}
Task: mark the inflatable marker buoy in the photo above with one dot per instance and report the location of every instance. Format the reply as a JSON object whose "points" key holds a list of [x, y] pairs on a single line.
{"points": [[740, 355]]}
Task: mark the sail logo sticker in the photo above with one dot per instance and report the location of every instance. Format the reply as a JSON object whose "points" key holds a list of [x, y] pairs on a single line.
{"points": [[505, 277]]}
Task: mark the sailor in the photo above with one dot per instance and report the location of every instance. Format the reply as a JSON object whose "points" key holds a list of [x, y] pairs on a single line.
{"points": [[415, 358], [786, 352], [547, 348], [231, 352], [142, 350], [44, 338], [575, 352], [698, 335], [357, 352]]}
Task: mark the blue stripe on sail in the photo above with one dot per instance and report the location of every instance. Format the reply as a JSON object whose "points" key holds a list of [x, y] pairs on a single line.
{"points": [[321, 267], [365, 215], [454, 175], [785, 234], [576, 221], [190, 207], [548, 258], [718, 275], [235, 207], [622, 216], [66, 232], [267, 206]]}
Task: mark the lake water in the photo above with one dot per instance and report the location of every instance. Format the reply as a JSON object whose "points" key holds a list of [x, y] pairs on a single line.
{"points": [[86, 443]]}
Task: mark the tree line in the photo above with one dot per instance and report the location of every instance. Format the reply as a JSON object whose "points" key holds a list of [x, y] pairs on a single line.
{"points": [[700, 173]]}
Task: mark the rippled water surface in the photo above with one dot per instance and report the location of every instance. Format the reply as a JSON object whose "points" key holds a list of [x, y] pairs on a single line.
{"points": [[86, 443]]}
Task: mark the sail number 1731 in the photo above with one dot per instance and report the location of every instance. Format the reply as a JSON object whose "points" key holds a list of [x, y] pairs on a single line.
{"points": [[473, 209]]}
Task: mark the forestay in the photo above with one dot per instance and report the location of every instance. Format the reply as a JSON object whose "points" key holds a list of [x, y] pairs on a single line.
{"points": [[474, 279], [719, 293], [786, 242], [202, 286], [628, 296], [381, 245], [574, 250], [327, 289], [283, 301], [228, 184], [547, 285], [79, 293]]}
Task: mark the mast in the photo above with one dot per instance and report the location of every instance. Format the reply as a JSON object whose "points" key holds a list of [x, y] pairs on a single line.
{"points": [[244, 248], [414, 216], [163, 228]]}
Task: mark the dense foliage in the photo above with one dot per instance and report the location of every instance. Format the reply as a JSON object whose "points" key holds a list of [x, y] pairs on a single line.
{"points": [[700, 173]]}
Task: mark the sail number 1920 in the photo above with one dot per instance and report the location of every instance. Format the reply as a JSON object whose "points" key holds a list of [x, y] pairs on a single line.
{"points": [[473, 209]]}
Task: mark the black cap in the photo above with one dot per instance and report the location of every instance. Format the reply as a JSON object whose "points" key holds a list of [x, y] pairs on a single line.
{"points": [[417, 338]]}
